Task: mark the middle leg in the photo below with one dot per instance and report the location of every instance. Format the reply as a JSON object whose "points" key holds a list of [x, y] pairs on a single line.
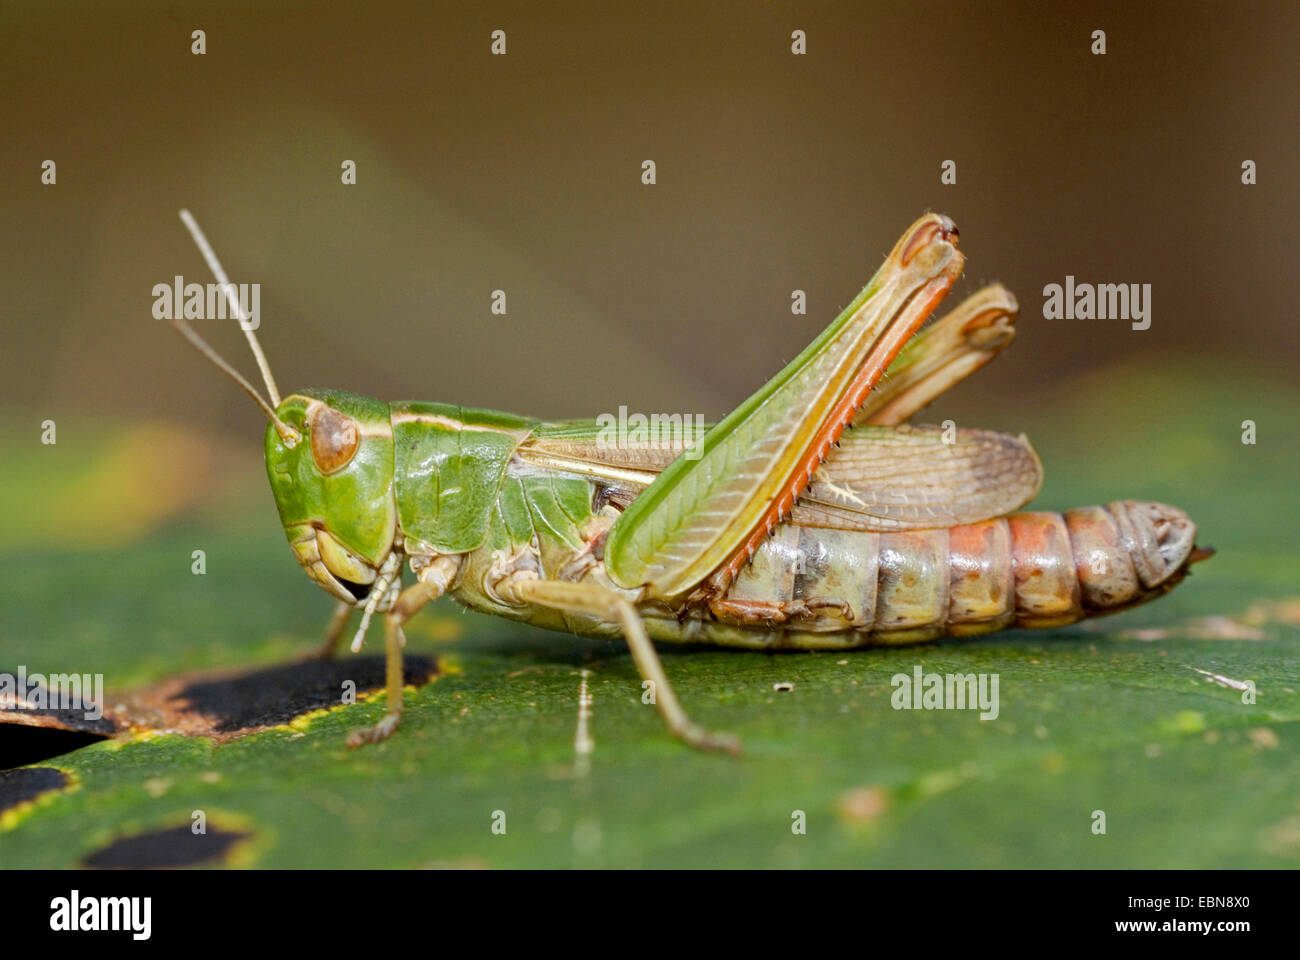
{"points": [[597, 601]]}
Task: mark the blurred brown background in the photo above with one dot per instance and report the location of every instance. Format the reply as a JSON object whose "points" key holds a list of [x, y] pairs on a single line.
{"points": [[522, 172]]}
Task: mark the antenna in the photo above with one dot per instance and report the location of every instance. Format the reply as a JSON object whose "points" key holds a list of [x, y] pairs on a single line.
{"points": [[228, 289], [287, 433]]}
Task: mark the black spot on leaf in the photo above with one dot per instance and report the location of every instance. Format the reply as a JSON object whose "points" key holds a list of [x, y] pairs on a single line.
{"points": [[19, 786], [175, 847], [276, 696]]}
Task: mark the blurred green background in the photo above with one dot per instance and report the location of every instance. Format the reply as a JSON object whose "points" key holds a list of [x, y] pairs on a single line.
{"points": [[774, 173]]}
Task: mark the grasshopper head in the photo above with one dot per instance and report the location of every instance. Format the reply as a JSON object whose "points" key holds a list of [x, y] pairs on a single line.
{"points": [[333, 485], [329, 455]]}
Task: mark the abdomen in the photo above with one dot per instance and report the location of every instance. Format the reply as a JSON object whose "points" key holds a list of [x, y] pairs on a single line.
{"points": [[816, 588]]}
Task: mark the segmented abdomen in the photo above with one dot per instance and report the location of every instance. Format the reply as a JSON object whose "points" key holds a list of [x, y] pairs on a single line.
{"points": [[846, 588]]}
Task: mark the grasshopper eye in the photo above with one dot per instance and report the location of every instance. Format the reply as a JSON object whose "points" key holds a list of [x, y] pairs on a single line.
{"points": [[334, 439]]}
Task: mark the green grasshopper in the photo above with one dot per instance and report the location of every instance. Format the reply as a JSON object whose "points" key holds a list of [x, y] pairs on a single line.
{"points": [[810, 517]]}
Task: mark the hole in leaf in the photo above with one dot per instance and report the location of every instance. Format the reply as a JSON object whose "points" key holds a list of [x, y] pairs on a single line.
{"points": [[32, 731], [22, 744]]}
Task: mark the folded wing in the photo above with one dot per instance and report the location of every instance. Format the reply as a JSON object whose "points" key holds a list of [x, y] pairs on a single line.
{"points": [[878, 478]]}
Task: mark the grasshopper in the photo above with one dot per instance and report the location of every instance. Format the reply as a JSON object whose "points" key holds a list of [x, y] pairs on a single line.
{"points": [[811, 517]]}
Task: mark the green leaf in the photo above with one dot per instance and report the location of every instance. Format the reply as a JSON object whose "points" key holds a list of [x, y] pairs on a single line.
{"points": [[1134, 715]]}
